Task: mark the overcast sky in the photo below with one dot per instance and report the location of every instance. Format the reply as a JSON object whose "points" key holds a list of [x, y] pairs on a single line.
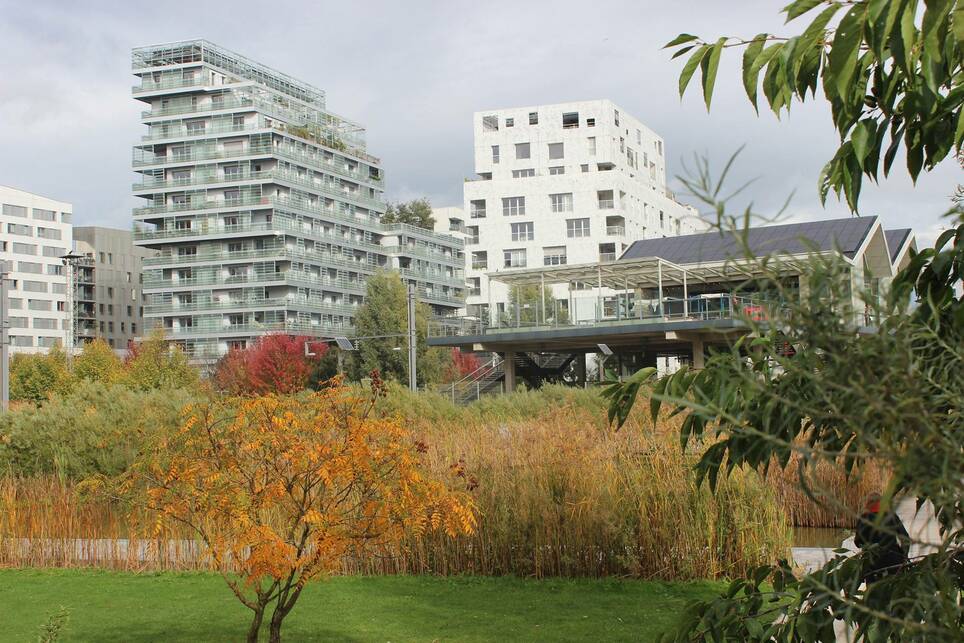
{"points": [[413, 73]]}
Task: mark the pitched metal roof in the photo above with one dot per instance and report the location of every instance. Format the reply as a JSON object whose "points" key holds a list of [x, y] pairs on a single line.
{"points": [[896, 240], [847, 235]]}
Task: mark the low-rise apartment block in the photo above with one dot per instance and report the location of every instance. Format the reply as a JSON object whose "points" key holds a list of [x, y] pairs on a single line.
{"points": [[109, 298], [35, 232]]}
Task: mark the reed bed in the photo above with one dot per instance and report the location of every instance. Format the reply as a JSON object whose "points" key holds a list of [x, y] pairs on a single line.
{"points": [[559, 493]]}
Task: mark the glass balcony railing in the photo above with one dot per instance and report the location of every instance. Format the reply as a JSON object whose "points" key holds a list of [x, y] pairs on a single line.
{"points": [[335, 260], [253, 303], [144, 158], [616, 231], [295, 277], [148, 85], [606, 204], [328, 188]]}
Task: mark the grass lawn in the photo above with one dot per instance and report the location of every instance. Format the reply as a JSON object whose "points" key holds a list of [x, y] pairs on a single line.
{"points": [[115, 606]]}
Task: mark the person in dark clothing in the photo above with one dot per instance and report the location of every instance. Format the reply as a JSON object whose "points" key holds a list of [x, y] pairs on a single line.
{"points": [[884, 539]]}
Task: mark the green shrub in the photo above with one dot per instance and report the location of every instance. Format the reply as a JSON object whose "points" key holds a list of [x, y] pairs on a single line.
{"points": [[95, 428]]}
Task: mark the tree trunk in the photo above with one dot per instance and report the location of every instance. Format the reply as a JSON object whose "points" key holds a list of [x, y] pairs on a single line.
{"points": [[274, 635], [256, 624]]}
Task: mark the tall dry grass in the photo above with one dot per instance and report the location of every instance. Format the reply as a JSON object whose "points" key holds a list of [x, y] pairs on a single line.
{"points": [[559, 493]]}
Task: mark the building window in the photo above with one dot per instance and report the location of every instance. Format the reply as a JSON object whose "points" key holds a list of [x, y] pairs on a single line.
{"points": [[522, 231], [34, 286], [110, 292], [591, 142], [616, 117], [473, 234], [14, 211], [515, 258], [30, 266], [576, 228], [522, 151], [477, 209], [133, 328], [24, 248], [570, 120], [65, 217], [523, 174], [490, 123], [480, 260], [561, 202], [44, 215], [513, 206], [554, 256], [558, 169], [130, 311], [129, 276], [555, 150], [585, 168], [639, 137], [590, 122], [18, 228], [533, 118], [662, 218], [509, 122], [495, 153]]}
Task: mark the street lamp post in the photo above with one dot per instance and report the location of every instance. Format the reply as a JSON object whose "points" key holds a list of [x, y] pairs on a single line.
{"points": [[4, 339]]}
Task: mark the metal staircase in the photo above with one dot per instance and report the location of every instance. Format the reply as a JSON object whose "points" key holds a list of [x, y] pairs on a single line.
{"points": [[535, 369], [486, 379]]}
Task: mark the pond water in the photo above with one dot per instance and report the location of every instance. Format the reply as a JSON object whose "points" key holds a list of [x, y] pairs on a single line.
{"points": [[820, 536]]}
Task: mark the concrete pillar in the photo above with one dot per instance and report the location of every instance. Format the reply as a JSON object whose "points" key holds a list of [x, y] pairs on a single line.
{"points": [[698, 359], [508, 367], [580, 364]]}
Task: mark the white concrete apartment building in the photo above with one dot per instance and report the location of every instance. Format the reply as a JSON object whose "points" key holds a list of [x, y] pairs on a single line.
{"points": [[561, 184], [34, 233]]}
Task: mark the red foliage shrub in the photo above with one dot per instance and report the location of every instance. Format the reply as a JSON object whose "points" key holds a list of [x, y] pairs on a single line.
{"points": [[275, 363], [461, 365]]}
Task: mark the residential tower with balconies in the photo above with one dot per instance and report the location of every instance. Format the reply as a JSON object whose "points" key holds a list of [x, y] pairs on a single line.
{"points": [[263, 207]]}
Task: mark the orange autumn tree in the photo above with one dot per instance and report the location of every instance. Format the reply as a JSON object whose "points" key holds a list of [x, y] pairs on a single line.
{"points": [[280, 488]]}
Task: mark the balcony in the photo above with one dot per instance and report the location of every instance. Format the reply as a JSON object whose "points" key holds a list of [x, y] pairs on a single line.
{"points": [[144, 159], [248, 303], [328, 188], [480, 265], [171, 83], [278, 253], [255, 277], [607, 204], [615, 231], [607, 257]]}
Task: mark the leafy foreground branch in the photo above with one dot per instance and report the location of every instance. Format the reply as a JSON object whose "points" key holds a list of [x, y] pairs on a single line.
{"points": [[893, 397], [890, 69], [279, 489]]}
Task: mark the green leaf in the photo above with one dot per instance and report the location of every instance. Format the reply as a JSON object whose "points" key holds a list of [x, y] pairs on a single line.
{"points": [[959, 132], [751, 71], [682, 51], [843, 52], [690, 67], [709, 66], [680, 39], [935, 18], [800, 7], [862, 138], [817, 30]]}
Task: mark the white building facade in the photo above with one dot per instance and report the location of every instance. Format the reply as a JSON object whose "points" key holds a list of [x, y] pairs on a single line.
{"points": [[35, 232], [560, 184]]}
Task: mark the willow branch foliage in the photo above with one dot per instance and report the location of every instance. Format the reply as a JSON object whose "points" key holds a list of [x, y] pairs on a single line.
{"points": [[279, 489], [890, 69], [892, 397]]}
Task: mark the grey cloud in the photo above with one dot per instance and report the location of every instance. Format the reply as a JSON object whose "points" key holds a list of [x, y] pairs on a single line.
{"points": [[413, 73]]}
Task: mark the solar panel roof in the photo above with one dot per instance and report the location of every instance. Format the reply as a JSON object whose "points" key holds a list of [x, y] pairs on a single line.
{"points": [[794, 238]]}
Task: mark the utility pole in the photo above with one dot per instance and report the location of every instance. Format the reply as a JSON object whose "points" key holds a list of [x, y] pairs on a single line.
{"points": [[412, 338], [4, 339]]}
